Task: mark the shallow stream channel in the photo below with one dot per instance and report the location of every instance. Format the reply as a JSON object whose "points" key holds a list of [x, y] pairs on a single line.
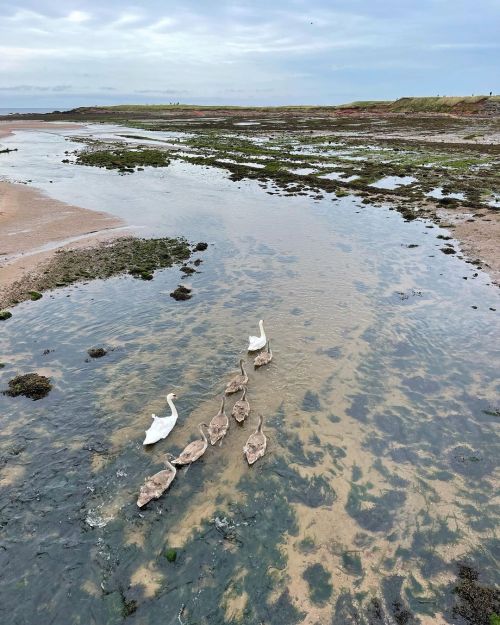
{"points": [[381, 409]]}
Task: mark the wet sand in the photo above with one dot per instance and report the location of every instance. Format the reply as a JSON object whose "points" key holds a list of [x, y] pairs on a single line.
{"points": [[8, 127], [31, 222], [33, 226]]}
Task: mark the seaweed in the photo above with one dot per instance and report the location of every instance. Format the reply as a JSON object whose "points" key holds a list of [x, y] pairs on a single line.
{"points": [[319, 581], [30, 385]]}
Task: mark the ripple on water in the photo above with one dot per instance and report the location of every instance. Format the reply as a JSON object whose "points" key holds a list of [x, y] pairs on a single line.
{"points": [[380, 443]]}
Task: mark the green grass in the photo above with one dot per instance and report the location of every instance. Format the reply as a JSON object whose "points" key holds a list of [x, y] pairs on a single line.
{"points": [[437, 104]]}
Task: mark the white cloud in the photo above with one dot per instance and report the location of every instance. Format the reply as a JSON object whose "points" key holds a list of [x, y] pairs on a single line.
{"points": [[78, 17], [205, 49]]}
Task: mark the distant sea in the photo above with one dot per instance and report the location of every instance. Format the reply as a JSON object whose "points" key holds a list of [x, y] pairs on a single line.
{"points": [[26, 110]]}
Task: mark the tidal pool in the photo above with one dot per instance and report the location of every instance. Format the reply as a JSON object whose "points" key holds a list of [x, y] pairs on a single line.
{"points": [[380, 409]]}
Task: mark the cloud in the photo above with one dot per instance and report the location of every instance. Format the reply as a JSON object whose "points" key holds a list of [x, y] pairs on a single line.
{"points": [[285, 51], [78, 17]]}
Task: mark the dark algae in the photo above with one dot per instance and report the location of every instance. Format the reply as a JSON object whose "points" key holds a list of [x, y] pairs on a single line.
{"points": [[97, 352], [477, 603], [125, 160], [139, 258], [319, 581], [30, 385], [181, 293], [5, 314]]}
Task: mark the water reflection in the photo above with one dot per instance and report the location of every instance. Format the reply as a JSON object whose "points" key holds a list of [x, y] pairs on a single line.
{"points": [[380, 413]]}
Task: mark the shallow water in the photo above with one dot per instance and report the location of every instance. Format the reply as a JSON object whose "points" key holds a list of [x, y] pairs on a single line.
{"points": [[439, 195], [380, 408], [393, 182]]}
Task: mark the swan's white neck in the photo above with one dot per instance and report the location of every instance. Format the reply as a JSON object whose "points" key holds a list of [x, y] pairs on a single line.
{"points": [[262, 333], [172, 407]]}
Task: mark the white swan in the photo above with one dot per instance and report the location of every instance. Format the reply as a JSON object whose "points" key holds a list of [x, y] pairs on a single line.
{"points": [[162, 426], [257, 342]]}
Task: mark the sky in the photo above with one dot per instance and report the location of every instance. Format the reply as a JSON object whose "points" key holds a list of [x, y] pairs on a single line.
{"points": [[78, 53]]}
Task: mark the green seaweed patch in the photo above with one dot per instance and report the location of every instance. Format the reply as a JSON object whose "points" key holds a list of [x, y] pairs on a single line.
{"points": [[351, 561], [255, 531], [4, 315], [311, 402], [171, 555], [125, 160], [137, 257], [35, 295], [380, 515], [306, 545], [314, 492], [30, 385], [318, 579]]}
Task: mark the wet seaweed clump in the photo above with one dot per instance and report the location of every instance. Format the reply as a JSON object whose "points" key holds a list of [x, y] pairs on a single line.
{"points": [[30, 385], [318, 578], [125, 160], [181, 293], [4, 315], [187, 270], [171, 555], [478, 603], [35, 295], [311, 402], [137, 257], [201, 246], [448, 250], [96, 352]]}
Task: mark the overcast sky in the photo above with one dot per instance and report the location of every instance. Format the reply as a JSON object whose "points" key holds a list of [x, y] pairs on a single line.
{"points": [[64, 53]]}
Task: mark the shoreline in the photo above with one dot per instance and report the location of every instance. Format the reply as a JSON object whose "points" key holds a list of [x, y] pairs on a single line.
{"points": [[9, 127], [34, 226]]}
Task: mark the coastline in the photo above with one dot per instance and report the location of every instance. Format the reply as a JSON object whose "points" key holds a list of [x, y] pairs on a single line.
{"points": [[9, 127], [33, 226]]}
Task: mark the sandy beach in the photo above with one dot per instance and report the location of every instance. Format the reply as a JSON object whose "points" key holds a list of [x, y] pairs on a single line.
{"points": [[8, 127], [33, 226]]}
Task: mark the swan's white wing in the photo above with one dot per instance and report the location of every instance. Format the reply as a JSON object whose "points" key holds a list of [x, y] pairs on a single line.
{"points": [[160, 428], [253, 341], [256, 343]]}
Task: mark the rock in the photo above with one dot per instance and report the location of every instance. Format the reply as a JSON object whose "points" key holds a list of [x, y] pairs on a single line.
{"points": [[30, 385], [35, 295], [200, 247], [96, 352], [5, 314], [181, 293], [187, 270]]}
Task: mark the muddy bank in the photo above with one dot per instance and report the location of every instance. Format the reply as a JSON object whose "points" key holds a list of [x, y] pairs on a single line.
{"points": [[137, 257], [33, 225]]}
